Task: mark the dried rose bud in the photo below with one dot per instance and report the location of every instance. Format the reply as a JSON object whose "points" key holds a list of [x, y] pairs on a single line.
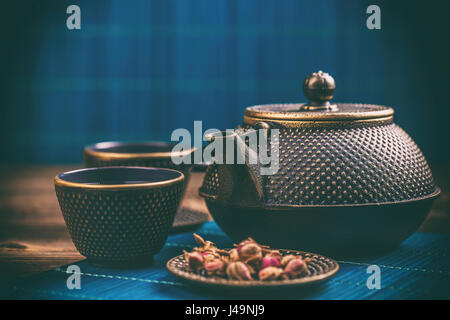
{"points": [[195, 260], [243, 243], [234, 255], [210, 255], [269, 261], [248, 241], [251, 269], [250, 252], [295, 268], [240, 245], [204, 245], [216, 266], [238, 271], [270, 273], [274, 254], [285, 260]]}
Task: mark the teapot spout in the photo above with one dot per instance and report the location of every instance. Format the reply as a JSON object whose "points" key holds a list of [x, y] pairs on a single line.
{"points": [[236, 169], [252, 165]]}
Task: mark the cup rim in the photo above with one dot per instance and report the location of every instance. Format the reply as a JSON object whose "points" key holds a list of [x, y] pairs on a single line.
{"points": [[220, 134], [60, 182], [94, 150]]}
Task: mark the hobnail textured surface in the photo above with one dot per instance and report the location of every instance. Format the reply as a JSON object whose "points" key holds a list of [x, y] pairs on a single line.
{"points": [[119, 225], [319, 268], [211, 181], [329, 166]]}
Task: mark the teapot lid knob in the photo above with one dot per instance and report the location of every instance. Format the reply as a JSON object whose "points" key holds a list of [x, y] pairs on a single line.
{"points": [[319, 89]]}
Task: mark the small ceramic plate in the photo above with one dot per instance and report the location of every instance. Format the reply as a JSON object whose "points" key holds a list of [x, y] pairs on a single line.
{"points": [[320, 268]]}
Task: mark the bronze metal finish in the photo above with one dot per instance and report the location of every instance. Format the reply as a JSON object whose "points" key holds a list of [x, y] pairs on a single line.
{"points": [[119, 224], [348, 166]]}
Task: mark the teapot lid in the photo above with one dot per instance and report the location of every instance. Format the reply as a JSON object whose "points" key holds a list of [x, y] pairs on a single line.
{"points": [[319, 89]]}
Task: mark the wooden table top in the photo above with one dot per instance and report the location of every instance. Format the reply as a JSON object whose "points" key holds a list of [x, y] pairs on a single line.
{"points": [[33, 234], [34, 238]]}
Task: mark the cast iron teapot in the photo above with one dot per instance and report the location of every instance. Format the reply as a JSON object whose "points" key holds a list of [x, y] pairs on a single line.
{"points": [[349, 179]]}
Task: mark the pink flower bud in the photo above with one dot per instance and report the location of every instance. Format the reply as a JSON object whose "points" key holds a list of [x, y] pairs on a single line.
{"points": [[208, 255], [275, 254], [270, 273], [238, 271], [216, 266], [269, 261], [250, 252], [295, 268], [243, 243], [195, 260], [285, 260]]}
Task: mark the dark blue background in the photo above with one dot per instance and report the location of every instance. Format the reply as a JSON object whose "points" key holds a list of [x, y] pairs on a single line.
{"points": [[139, 69]]}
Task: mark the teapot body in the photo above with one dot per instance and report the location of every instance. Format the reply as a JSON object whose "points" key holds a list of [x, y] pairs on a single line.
{"points": [[355, 164], [339, 188], [349, 179]]}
